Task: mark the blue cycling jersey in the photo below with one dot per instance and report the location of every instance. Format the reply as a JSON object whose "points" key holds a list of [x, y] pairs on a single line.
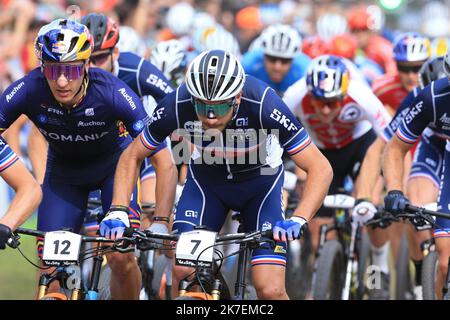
{"points": [[369, 68], [261, 127], [142, 76], [7, 156], [400, 113], [253, 63], [93, 128], [428, 109]]}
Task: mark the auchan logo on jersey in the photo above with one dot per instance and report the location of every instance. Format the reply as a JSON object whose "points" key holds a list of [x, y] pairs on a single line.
{"points": [[128, 98], [10, 95], [282, 119], [73, 138]]}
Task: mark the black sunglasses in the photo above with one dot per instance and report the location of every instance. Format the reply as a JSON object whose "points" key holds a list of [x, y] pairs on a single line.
{"points": [[408, 69], [273, 59]]}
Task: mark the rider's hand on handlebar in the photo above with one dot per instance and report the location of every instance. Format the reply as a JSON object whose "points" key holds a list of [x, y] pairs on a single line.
{"points": [[158, 227], [363, 211], [395, 202], [289, 229], [115, 222], [5, 234]]}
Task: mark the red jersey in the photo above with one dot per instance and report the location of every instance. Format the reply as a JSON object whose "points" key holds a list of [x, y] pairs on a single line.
{"points": [[389, 90], [379, 50]]}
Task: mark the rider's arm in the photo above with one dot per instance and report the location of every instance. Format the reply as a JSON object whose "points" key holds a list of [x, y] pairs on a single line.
{"points": [[370, 170], [12, 135], [318, 179], [37, 152], [297, 143], [393, 163], [28, 193]]}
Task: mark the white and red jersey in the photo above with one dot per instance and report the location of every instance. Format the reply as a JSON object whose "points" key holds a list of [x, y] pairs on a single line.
{"points": [[361, 111]]}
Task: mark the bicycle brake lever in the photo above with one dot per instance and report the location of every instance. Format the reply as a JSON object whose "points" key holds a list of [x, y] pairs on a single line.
{"points": [[13, 241]]}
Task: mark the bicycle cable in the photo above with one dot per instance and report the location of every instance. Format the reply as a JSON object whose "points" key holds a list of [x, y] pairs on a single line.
{"points": [[31, 262]]}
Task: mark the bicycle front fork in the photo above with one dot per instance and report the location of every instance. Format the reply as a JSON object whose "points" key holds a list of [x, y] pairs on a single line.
{"points": [[446, 294]]}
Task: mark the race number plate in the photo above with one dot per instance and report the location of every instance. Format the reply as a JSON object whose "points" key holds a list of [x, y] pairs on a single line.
{"points": [[61, 248], [196, 248]]}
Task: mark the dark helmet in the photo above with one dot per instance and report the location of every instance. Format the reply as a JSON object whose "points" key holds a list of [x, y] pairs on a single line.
{"points": [[104, 30]]}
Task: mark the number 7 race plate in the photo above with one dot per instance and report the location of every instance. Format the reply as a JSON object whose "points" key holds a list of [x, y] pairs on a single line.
{"points": [[61, 248], [196, 248]]}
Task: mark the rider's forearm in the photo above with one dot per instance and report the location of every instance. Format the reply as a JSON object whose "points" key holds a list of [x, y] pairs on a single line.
{"points": [[166, 181], [393, 167], [370, 170], [26, 200], [37, 150], [316, 188], [125, 177]]}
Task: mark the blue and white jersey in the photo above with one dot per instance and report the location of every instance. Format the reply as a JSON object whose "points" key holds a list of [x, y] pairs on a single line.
{"points": [[255, 138], [428, 109], [7, 156], [400, 113], [142, 76], [253, 63], [100, 124]]}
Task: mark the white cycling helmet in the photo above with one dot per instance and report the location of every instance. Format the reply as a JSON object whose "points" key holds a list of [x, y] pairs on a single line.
{"points": [[170, 57], [216, 37], [215, 75], [410, 47], [179, 18], [331, 24], [130, 41], [281, 41], [447, 64]]}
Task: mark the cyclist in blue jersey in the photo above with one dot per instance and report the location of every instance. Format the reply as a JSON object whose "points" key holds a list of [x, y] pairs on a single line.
{"points": [[428, 109], [239, 127], [277, 59], [28, 193], [88, 118], [424, 177], [146, 80]]}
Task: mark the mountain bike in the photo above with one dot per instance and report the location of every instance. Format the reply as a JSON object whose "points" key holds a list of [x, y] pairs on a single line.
{"points": [[341, 263], [62, 255]]}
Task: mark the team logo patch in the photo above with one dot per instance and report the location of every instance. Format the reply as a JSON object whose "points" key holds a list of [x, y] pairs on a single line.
{"points": [[89, 112], [279, 249], [139, 125], [350, 113], [42, 118]]}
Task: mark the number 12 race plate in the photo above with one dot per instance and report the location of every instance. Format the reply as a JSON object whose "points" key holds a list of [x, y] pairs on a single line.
{"points": [[61, 248]]}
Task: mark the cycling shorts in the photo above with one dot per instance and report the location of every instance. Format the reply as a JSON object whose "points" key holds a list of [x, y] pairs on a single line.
{"points": [[208, 196], [443, 225]]}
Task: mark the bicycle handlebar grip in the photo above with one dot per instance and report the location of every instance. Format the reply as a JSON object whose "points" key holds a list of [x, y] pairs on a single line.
{"points": [[13, 242], [128, 233], [267, 234]]}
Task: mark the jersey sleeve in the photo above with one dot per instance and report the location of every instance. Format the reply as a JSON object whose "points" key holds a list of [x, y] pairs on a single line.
{"points": [[152, 81], [162, 123], [7, 156], [400, 113], [276, 116], [373, 108], [13, 103], [421, 113], [295, 94], [129, 108]]}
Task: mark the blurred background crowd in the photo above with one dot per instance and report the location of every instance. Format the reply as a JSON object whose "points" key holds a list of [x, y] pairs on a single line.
{"points": [[149, 21]]}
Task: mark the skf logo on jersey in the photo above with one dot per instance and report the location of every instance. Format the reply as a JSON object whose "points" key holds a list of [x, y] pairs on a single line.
{"points": [[89, 112], [122, 129], [282, 119], [414, 111], [10, 95], [193, 126], [157, 114], [154, 80], [128, 98]]}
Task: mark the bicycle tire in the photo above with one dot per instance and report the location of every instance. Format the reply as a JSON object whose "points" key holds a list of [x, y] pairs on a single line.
{"points": [[160, 265], [104, 291], [363, 263], [403, 290], [429, 269], [329, 273]]}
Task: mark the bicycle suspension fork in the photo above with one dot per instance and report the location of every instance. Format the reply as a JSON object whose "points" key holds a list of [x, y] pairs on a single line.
{"points": [[351, 263]]}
